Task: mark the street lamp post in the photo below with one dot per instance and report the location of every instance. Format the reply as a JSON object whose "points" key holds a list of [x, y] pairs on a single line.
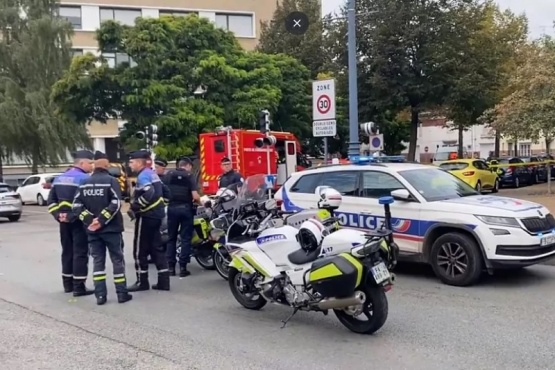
{"points": [[354, 145]]}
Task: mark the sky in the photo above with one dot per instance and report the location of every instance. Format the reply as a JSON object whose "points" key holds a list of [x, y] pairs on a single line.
{"points": [[541, 13]]}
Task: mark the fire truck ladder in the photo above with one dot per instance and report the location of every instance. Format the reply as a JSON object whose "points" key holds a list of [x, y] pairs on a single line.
{"points": [[232, 146]]}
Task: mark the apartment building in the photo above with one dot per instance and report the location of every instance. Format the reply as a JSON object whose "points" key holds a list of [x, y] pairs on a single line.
{"points": [[240, 17]]}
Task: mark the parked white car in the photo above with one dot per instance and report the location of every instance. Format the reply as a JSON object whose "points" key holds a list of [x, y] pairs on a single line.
{"points": [[35, 188], [437, 218], [10, 203]]}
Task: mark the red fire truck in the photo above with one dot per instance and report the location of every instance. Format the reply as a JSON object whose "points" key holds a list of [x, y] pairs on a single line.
{"points": [[249, 154]]}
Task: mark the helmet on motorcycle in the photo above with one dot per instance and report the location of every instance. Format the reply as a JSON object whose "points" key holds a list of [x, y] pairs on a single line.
{"points": [[311, 234], [225, 195], [329, 198]]}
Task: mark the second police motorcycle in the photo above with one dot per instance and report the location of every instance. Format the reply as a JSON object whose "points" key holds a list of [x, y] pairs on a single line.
{"points": [[316, 267]]}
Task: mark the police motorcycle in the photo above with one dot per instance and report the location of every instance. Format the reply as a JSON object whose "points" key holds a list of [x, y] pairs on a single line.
{"points": [[316, 267], [203, 241], [228, 229]]}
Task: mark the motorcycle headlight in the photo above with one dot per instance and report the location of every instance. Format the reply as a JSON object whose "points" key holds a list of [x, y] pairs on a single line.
{"points": [[499, 221]]}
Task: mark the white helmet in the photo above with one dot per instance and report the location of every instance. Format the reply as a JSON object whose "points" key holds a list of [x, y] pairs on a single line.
{"points": [[329, 198], [204, 199], [311, 234], [225, 194]]}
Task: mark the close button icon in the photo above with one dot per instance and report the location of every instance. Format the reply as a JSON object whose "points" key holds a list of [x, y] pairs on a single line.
{"points": [[296, 23]]}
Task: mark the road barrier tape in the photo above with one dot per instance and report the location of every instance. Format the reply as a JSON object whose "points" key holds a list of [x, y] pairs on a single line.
{"points": [[529, 164]]}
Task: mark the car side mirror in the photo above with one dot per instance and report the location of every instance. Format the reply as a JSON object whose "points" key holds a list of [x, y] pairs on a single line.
{"points": [[402, 195]]}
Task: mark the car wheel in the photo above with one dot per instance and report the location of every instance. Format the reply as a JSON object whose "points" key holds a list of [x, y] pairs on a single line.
{"points": [[517, 182], [495, 186], [14, 218], [456, 259], [40, 200], [478, 187]]}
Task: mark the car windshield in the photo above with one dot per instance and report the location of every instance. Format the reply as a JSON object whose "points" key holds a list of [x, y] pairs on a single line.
{"points": [[526, 159], [442, 156], [503, 161], [434, 184], [253, 189], [453, 166], [5, 189]]}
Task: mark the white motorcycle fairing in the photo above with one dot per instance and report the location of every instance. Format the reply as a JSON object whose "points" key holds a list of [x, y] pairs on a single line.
{"points": [[277, 250]]}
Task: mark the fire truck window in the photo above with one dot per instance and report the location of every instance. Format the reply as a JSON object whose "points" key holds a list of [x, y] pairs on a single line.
{"points": [[290, 149], [219, 146], [307, 184]]}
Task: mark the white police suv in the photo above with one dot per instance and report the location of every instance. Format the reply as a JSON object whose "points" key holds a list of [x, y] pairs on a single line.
{"points": [[437, 218]]}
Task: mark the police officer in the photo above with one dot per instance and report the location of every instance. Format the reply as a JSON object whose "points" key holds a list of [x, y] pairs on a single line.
{"points": [[160, 168], [183, 193], [147, 208], [230, 176], [98, 205], [75, 250]]}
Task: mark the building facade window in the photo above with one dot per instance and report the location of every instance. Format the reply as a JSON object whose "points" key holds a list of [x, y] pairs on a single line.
{"points": [[124, 16], [175, 13], [117, 59], [77, 52], [525, 150], [72, 14], [240, 24]]}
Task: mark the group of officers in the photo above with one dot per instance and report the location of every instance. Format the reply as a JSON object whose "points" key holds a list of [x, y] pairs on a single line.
{"points": [[88, 210]]}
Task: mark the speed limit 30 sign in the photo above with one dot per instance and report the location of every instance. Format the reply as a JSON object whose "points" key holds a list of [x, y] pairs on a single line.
{"points": [[323, 100]]}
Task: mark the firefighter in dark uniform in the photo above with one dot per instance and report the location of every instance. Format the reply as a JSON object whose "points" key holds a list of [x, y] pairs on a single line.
{"points": [[147, 208], [183, 194], [98, 205], [230, 176], [75, 249]]}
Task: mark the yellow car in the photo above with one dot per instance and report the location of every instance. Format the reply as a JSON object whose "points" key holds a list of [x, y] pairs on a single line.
{"points": [[474, 172]]}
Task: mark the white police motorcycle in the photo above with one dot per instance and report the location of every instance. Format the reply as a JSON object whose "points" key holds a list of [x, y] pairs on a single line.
{"points": [[316, 267]]}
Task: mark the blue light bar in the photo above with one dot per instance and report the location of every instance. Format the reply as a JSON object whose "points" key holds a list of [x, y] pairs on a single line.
{"points": [[361, 160]]}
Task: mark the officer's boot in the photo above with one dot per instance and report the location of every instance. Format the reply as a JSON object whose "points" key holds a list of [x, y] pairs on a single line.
{"points": [[124, 297], [122, 291], [80, 289], [141, 284], [183, 272], [163, 281], [68, 284], [171, 269], [100, 291]]}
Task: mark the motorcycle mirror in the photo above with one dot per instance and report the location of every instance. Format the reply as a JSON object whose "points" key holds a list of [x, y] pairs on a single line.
{"points": [[270, 204]]}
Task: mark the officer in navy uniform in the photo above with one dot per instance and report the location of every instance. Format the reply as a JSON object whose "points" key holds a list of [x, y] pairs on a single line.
{"points": [[147, 208], [230, 176], [183, 194], [98, 205], [160, 168], [75, 250]]}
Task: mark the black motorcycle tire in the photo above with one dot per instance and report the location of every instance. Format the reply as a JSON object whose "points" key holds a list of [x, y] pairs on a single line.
{"points": [[251, 304], [222, 266], [376, 301], [206, 262]]}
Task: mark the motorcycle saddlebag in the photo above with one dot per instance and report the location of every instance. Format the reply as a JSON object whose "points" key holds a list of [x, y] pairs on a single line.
{"points": [[200, 230], [336, 276]]}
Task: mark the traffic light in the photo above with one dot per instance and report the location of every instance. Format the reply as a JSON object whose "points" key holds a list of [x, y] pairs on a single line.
{"points": [[369, 128], [141, 135], [152, 136], [264, 121], [265, 141]]}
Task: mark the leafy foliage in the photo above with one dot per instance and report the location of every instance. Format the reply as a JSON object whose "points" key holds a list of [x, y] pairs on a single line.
{"points": [[34, 52], [172, 57]]}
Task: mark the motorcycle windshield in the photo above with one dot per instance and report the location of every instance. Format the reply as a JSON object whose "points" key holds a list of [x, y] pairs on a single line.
{"points": [[253, 189]]}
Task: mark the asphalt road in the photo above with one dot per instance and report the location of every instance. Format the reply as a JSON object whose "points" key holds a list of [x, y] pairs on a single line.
{"points": [[507, 322]]}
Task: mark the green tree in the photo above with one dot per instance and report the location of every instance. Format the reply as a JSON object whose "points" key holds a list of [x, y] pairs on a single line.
{"points": [[488, 39], [172, 58], [307, 48], [35, 49]]}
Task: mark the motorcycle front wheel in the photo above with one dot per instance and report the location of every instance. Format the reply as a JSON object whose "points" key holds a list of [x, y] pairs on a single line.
{"points": [[251, 301], [222, 265], [374, 312]]}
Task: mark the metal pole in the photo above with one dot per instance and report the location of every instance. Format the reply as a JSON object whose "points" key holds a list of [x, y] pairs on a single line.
{"points": [[354, 144], [269, 169], [325, 150]]}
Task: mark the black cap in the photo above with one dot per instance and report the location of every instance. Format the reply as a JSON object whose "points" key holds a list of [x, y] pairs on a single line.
{"points": [[185, 160], [161, 162], [83, 154], [139, 154], [99, 155], [225, 160]]}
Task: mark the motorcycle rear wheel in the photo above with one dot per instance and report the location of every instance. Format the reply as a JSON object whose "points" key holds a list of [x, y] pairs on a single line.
{"points": [[206, 262], [222, 266], [375, 310], [251, 303]]}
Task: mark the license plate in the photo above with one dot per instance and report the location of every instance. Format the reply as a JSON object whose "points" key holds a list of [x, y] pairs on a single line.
{"points": [[549, 239], [380, 273]]}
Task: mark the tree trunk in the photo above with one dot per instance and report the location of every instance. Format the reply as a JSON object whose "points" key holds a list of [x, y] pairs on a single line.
{"points": [[413, 134], [1, 165], [516, 148], [496, 144], [35, 162], [460, 140]]}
